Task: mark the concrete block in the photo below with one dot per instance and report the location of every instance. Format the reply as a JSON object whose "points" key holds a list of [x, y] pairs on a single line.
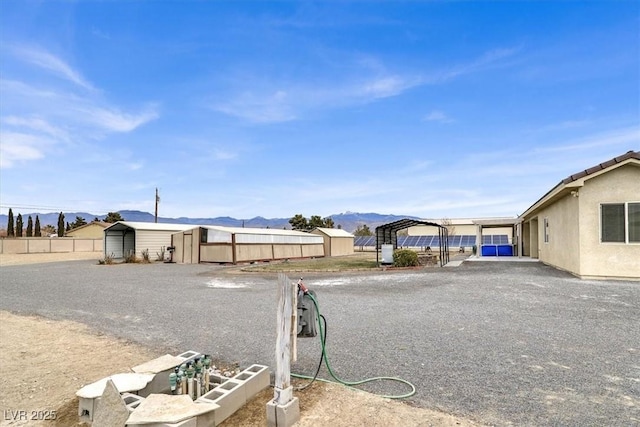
{"points": [[255, 379], [86, 408], [231, 396], [132, 401], [283, 415], [189, 356], [158, 385], [191, 422]]}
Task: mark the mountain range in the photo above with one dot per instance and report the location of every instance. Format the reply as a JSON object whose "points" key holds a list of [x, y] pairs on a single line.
{"points": [[348, 221]]}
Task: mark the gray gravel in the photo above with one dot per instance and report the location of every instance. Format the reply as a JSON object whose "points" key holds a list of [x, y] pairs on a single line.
{"points": [[501, 343]]}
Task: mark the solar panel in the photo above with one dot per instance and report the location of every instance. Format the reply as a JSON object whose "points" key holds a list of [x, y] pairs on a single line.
{"points": [[412, 241], [487, 240], [456, 241]]}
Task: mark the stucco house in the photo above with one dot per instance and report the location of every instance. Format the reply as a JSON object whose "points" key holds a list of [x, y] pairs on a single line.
{"points": [[94, 230], [589, 224]]}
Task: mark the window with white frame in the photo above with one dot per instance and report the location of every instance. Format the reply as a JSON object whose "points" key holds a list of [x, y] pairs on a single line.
{"points": [[546, 230], [620, 222]]}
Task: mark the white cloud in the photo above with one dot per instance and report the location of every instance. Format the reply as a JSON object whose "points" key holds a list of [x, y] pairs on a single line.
{"points": [[437, 116], [111, 119], [270, 108], [47, 61], [51, 113], [18, 147]]}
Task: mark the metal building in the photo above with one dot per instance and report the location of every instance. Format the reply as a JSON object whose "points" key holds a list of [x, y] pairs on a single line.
{"points": [[124, 237]]}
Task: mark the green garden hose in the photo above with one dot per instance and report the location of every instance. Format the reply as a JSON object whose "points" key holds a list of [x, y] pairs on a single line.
{"points": [[350, 384]]}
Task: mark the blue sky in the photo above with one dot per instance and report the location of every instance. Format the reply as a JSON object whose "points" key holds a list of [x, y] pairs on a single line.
{"points": [[426, 108]]}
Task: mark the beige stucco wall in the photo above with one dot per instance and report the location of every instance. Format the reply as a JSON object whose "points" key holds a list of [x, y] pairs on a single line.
{"points": [[563, 248], [607, 259], [91, 231], [32, 245]]}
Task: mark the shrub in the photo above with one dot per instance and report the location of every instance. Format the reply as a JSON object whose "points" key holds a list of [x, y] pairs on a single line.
{"points": [[131, 257], [405, 258], [160, 255], [108, 260], [145, 256]]}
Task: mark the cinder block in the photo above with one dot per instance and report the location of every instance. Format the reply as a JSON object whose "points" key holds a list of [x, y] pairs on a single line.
{"points": [[190, 355], [132, 400], [230, 396], [208, 419], [255, 378], [86, 407], [283, 415]]}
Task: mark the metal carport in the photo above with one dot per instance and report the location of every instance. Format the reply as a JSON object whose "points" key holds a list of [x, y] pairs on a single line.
{"points": [[387, 234]]}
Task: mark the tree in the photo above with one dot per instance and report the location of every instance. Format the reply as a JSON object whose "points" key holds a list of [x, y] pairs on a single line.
{"points": [[113, 217], [363, 230], [10, 231], [298, 222], [19, 225], [61, 225], [79, 222], [328, 222], [96, 219], [448, 224], [37, 232], [48, 230], [315, 221], [30, 227]]}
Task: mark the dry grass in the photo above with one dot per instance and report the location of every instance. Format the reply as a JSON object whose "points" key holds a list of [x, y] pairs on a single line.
{"points": [[357, 261]]}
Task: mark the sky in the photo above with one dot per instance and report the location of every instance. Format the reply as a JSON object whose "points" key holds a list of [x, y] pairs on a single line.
{"points": [[433, 109]]}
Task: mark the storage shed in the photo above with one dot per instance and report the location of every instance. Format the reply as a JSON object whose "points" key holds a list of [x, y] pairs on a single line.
{"points": [[123, 237], [93, 230], [337, 242], [235, 244]]}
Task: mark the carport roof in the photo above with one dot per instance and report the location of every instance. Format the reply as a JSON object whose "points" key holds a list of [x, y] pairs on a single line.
{"points": [[149, 226], [401, 224]]}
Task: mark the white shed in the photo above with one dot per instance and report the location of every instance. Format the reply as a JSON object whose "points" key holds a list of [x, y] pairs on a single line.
{"points": [[123, 237], [237, 244]]}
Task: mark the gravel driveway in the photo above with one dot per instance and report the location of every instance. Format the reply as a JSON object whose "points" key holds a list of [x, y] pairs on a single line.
{"points": [[501, 343]]}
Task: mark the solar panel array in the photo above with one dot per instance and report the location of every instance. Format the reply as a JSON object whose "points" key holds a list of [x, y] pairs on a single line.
{"points": [[434, 241]]}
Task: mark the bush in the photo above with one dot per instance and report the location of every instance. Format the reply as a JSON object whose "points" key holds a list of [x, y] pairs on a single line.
{"points": [[405, 258], [108, 260], [145, 256], [131, 257], [160, 255]]}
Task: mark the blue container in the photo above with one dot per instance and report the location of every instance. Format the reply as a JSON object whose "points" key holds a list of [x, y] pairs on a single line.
{"points": [[489, 250], [505, 250]]}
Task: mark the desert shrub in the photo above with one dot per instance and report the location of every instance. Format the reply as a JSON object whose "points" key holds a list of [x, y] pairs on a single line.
{"points": [[108, 259], [145, 256], [160, 255], [131, 257], [405, 258]]}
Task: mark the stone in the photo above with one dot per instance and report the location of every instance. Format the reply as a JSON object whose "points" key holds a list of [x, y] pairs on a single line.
{"points": [[165, 408], [111, 410], [159, 364]]}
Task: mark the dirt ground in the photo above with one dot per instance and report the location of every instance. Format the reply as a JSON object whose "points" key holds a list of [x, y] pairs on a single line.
{"points": [[44, 362]]}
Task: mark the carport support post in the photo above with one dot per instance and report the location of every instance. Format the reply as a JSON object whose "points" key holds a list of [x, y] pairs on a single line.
{"points": [[284, 409]]}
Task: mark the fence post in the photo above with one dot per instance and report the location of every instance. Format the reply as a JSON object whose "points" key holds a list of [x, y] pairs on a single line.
{"points": [[284, 409]]}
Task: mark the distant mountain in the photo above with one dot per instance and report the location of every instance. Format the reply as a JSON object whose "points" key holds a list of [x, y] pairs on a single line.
{"points": [[348, 221]]}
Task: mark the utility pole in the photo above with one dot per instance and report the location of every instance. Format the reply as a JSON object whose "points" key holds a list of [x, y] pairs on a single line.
{"points": [[157, 201]]}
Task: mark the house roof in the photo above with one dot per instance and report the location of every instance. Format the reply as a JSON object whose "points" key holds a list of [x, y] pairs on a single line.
{"points": [[94, 223], [575, 181], [333, 232]]}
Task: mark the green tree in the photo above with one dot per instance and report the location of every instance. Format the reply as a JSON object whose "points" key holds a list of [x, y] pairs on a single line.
{"points": [[10, 230], [113, 217], [328, 222], [37, 232], [30, 227], [298, 222], [19, 225], [61, 225], [67, 227], [363, 230], [315, 221], [79, 222]]}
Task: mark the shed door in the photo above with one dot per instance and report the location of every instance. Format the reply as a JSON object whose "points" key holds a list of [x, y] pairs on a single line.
{"points": [[114, 244], [187, 248], [129, 241]]}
